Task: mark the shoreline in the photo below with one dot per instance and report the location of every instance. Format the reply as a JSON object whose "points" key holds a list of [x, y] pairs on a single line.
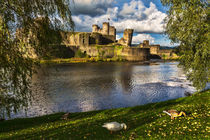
{"points": [[96, 60]]}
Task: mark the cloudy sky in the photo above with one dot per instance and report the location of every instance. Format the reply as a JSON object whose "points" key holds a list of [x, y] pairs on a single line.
{"points": [[146, 17]]}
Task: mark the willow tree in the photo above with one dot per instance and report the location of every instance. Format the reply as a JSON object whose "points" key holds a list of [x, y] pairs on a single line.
{"points": [[16, 63], [188, 24]]}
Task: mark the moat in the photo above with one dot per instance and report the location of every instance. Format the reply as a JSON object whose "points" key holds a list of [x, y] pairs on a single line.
{"points": [[95, 86]]}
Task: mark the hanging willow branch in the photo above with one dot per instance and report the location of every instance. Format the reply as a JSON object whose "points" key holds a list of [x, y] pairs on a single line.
{"points": [[24, 29]]}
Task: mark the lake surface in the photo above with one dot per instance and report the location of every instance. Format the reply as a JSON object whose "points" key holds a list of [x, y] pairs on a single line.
{"points": [[95, 86]]}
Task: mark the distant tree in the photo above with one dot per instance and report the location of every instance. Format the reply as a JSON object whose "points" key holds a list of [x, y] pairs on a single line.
{"points": [[188, 24], [16, 63]]}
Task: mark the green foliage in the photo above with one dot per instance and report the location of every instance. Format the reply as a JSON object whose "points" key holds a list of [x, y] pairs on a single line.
{"points": [[80, 54], [24, 31], [188, 24], [144, 122], [15, 72], [118, 50], [164, 56]]}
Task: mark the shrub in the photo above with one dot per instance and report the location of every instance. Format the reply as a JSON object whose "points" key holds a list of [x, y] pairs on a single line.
{"points": [[80, 54]]}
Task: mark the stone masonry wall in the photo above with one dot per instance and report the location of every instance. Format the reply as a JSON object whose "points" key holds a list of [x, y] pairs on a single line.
{"points": [[127, 37], [135, 54]]}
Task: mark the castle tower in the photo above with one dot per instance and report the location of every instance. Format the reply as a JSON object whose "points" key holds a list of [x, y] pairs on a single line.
{"points": [[105, 30], [112, 31], [146, 43], [128, 35], [95, 28]]}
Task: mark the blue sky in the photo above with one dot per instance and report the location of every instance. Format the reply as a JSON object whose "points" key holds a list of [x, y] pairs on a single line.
{"points": [[146, 17]]}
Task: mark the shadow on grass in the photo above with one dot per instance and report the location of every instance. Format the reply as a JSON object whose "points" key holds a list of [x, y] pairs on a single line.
{"points": [[92, 129], [24, 123]]}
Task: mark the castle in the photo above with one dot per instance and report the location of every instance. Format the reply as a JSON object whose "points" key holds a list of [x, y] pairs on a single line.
{"points": [[101, 42], [99, 36]]}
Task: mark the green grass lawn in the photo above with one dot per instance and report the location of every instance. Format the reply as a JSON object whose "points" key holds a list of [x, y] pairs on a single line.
{"points": [[80, 60], [144, 122]]}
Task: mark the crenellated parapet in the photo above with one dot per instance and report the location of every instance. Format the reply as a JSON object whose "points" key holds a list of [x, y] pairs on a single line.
{"points": [[106, 30]]}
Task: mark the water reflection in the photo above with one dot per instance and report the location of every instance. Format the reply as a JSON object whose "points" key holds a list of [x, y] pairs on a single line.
{"points": [[126, 79], [85, 87]]}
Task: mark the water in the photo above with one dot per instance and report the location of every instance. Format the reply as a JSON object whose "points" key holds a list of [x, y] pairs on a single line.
{"points": [[95, 86]]}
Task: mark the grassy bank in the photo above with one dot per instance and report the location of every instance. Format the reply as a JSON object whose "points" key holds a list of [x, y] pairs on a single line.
{"points": [[144, 122], [80, 60]]}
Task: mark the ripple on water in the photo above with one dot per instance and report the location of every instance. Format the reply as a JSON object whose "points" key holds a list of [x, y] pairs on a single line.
{"points": [[85, 87]]}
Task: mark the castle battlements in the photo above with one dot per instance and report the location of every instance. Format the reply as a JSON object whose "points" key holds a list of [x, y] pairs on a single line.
{"points": [[108, 30], [105, 30]]}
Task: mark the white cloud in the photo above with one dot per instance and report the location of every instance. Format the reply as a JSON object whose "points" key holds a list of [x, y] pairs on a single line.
{"points": [[140, 37], [142, 19], [168, 44], [85, 22], [117, 37], [133, 10], [132, 15]]}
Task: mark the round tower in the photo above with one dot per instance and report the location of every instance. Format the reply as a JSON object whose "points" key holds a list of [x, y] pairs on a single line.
{"points": [[128, 35], [146, 42], [105, 30], [95, 28], [112, 31]]}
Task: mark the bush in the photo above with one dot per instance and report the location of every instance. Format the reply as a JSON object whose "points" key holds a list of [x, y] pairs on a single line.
{"points": [[80, 54]]}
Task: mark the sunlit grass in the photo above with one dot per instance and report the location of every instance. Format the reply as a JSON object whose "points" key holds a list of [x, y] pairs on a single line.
{"points": [[144, 122], [81, 60]]}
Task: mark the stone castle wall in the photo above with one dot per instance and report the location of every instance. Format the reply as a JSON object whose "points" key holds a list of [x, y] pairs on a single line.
{"points": [[127, 37], [136, 54], [106, 31], [75, 39], [155, 50], [127, 53]]}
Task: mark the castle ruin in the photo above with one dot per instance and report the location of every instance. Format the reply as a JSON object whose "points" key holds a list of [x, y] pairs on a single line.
{"points": [[155, 50], [101, 42], [100, 36], [127, 37]]}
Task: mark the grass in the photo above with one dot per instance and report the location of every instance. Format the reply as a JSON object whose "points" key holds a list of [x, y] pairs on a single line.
{"points": [[144, 122], [80, 60]]}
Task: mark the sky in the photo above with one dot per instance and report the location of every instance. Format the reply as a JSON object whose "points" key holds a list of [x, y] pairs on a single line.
{"points": [[146, 17]]}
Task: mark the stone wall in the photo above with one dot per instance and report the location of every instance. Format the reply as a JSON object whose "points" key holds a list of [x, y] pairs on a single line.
{"points": [[158, 53], [127, 37], [103, 36], [128, 53], [75, 38], [165, 53], [99, 51], [106, 30], [154, 49], [135, 54], [95, 28], [112, 31], [146, 43]]}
